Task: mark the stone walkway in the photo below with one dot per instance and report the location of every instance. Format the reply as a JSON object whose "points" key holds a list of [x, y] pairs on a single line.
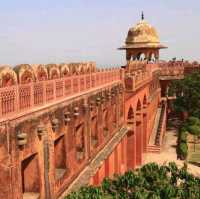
{"points": [[168, 154], [91, 169]]}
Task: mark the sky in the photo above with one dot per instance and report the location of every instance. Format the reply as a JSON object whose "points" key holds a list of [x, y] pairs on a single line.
{"points": [[57, 31]]}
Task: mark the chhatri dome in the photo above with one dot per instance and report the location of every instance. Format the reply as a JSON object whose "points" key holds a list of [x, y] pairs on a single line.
{"points": [[141, 37]]}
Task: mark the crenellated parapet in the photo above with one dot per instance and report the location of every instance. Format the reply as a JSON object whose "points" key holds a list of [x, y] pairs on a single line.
{"points": [[177, 69], [139, 73], [26, 87], [26, 73]]}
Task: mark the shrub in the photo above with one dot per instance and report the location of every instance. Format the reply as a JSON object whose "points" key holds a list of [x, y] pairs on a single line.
{"points": [[193, 121], [194, 129], [148, 182], [183, 150], [183, 136]]}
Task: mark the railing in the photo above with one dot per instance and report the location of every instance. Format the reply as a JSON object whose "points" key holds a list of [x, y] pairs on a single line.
{"points": [[161, 126], [178, 68], [142, 79], [172, 71], [136, 80], [23, 97]]}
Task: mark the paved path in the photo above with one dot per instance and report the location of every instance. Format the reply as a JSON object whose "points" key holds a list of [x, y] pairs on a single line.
{"points": [[168, 154]]}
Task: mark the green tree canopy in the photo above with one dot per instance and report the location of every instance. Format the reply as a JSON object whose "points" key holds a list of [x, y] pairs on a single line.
{"points": [[187, 94], [149, 182]]}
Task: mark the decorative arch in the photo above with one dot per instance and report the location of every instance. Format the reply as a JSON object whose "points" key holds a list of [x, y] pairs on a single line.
{"points": [[87, 68], [92, 66], [64, 70], [8, 76], [152, 56], [130, 113], [139, 106], [75, 68], [40, 72], [53, 71], [82, 68], [141, 56], [145, 100], [25, 73]]}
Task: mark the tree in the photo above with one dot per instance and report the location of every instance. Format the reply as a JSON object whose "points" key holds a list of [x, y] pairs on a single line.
{"points": [[149, 182], [187, 94], [193, 126]]}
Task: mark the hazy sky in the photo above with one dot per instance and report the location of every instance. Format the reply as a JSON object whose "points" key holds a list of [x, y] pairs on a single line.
{"points": [[46, 31]]}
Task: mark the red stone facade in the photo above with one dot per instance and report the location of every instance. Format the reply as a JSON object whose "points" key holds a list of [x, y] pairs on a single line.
{"points": [[56, 119]]}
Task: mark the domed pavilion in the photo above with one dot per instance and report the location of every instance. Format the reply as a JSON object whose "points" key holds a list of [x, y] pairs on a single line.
{"points": [[142, 42]]}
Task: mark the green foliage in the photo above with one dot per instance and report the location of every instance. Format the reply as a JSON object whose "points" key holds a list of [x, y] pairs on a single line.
{"points": [[149, 182], [89, 192], [193, 121], [183, 136], [187, 94], [194, 129], [183, 150]]}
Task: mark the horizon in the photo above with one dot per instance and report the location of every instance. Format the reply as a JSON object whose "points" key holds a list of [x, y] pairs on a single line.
{"points": [[55, 32]]}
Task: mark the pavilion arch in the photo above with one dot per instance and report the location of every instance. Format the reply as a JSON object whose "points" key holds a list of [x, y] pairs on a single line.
{"points": [[152, 56], [8, 76], [53, 71], [40, 72], [141, 56], [25, 73]]}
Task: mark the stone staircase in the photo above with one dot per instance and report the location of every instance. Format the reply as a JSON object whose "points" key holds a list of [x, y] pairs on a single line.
{"points": [[156, 138], [153, 149]]}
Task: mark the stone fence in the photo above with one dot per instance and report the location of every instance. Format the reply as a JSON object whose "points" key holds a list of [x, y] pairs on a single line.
{"points": [[18, 98]]}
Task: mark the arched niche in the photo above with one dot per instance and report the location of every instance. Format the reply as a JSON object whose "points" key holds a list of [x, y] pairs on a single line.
{"points": [[130, 116], [53, 71], [141, 56], [75, 68], [145, 100], [25, 73], [139, 106], [64, 70], [8, 76], [40, 72]]}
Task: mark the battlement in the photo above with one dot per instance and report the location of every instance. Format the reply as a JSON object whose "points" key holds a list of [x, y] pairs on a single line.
{"points": [[26, 87], [25, 73], [178, 68]]}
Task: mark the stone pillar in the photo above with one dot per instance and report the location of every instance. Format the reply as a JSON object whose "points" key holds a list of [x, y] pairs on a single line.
{"points": [[116, 160], [131, 150], [139, 139], [107, 169], [145, 137], [111, 164]]}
